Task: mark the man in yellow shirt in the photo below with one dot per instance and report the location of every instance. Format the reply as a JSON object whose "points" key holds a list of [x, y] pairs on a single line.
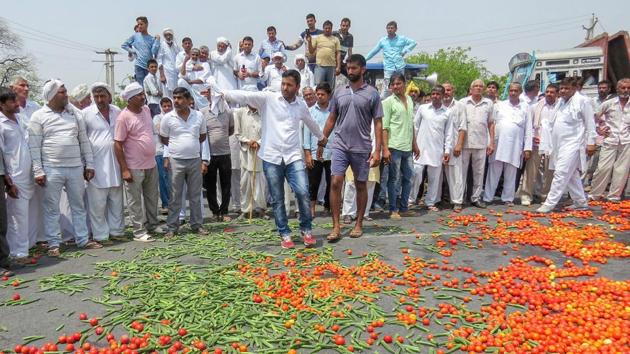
{"points": [[326, 48]]}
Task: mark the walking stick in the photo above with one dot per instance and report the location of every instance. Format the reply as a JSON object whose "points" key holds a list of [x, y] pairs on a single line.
{"points": [[251, 197]]}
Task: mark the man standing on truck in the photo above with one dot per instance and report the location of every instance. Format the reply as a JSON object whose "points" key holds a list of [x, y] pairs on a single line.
{"points": [[394, 47]]}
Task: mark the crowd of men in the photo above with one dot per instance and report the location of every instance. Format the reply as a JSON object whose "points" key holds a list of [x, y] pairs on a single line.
{"points": [[248, 131]]}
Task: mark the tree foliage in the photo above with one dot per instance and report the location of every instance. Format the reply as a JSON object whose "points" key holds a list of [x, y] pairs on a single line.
{"points": [[13, 60], [457, 66]]}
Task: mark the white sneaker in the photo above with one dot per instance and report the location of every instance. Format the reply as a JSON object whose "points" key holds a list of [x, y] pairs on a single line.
{"points": [[578, 206], [144, 238], [545, 209]]}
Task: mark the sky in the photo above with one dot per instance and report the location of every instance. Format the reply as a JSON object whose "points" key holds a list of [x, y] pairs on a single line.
{"points": [[63, 36]]}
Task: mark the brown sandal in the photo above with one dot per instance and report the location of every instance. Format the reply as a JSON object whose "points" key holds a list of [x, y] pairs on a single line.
{"points": [[356, 233], [333, 236]]}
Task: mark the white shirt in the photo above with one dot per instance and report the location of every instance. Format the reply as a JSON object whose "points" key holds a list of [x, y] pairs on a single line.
{"points": [[152, 89], [15, 152], [617, 119], [101, 135], [159, 147], [307, 79], [280, 122], [513, 132], [252, 63], [273, 77], [197, 71], [167, 57], [573, 127], [29, 108], [460, 123], [435, 134], [183, 135], [479, 116], [222, 69]]}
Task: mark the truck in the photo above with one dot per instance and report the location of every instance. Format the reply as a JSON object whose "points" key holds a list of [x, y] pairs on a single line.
{"points": [[604, 57]]}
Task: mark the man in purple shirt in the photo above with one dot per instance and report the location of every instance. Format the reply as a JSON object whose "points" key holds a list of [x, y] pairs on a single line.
{"points": [[353, 109]]}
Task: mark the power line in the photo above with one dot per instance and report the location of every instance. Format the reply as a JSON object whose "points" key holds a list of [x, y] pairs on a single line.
{"points": [[58, 44], [515, 38], [571, 19], [50, 37]]}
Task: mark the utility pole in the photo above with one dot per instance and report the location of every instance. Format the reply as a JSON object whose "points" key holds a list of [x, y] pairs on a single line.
{"points": [[589, 30], [109, 67]]}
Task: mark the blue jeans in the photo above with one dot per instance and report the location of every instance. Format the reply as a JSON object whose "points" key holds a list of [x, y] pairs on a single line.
{"points": [[325, 74], [72, 179], [164, 181], [139, 74], [295, 174], [402, 161]]}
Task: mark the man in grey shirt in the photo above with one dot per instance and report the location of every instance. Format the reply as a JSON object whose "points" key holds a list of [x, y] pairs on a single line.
{"points": [[220, 122], [62, 157]]}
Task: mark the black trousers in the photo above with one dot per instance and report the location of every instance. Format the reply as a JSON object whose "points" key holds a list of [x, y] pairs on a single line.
{"points": [[221, 165], [4, 246], [314, 179]]}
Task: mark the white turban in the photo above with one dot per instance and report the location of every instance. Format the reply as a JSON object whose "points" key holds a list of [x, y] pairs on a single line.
{"points": [[101, 85], [168, 30], [217, 102], [80, 92], [223, 40], [131, 90], [298, 57], [50, 89]]}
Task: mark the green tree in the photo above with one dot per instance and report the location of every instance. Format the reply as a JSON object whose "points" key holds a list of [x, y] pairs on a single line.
{"points": [[457, 66]]}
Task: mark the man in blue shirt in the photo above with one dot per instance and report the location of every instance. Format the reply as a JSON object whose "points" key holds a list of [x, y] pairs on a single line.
{"points": [[143, 46], [271, 45], [394, 47]]}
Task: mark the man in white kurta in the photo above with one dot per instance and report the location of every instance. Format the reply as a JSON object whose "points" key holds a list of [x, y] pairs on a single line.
{"points": [[23, 210], [435, 140], [454, 173], [513, 139], [104, 191], [614, 157], [479, 138], [247, 130], [222, 63], [166, 58], [193, 75], [572, 138]]}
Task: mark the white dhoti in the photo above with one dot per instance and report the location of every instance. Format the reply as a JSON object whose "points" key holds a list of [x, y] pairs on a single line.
{"points": [[248, 186], [567, 179], [23, 222], [478, 157], [454, 178], [434, 178], [235, 190], [416, 182], [495, 169], [350, 199], [613, 167], [105, 211]]}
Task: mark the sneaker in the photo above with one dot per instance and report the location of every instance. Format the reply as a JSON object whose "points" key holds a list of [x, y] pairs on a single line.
{"points": [[286, 242], [457, 207], [578, 206], [144, 238], [526, 202], [480, 204], [308, 238], [545, 209], [394, 215]]}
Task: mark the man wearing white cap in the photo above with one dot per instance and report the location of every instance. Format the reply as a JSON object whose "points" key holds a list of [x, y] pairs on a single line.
{"points": [[80, 96], [62, 157], [273, 73], [166, 58], [223, 65], [135, 152], [308, 79], [105, 196]]}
